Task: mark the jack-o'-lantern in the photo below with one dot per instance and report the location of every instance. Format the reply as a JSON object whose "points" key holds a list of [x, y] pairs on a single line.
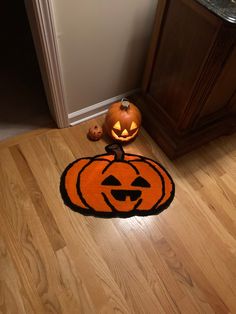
{"points": [[123, 121], [116, 184]]}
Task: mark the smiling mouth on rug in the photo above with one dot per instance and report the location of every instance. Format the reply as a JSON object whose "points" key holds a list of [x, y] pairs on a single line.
{"points": [[121, 195]]}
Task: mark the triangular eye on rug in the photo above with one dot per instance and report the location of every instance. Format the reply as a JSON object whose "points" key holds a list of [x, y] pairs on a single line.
{"points": [[116, 184]]}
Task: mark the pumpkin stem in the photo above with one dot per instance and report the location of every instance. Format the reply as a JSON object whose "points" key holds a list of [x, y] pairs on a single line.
{"points": [[124, 104], [116, 150]]}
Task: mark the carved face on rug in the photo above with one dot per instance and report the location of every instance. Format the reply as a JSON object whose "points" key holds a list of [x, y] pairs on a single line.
{"points": [[122, 186], [123, 121]]}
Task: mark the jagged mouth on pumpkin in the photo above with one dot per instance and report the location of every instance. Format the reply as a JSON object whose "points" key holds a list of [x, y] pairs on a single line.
{"points": [[121, 195], [123, 138]]}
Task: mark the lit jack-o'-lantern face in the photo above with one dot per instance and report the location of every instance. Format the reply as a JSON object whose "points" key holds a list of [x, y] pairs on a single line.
{"points": [[123, 121], [124, 134]]}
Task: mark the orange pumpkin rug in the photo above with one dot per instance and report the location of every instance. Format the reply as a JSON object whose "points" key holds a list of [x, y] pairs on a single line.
{"points": [[116, 185]]}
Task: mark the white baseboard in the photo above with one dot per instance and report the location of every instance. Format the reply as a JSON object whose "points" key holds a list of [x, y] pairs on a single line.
{"points": [[95, 110]]}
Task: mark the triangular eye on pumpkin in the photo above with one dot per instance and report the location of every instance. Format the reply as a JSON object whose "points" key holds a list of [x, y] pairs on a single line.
{"points": [[133, 126], [111, 180], [117, 126], [139, 181]]}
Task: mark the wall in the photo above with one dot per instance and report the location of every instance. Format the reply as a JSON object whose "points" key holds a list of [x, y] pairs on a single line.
{"points": [[102, 46]]}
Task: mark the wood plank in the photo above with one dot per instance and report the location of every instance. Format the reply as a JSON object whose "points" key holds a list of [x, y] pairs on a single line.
{"points": [[10, 298], [38, 199]]}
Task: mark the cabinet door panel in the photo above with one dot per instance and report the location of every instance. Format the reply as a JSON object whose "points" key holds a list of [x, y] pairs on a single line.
{"points": [[185, 41], [223, 91]]}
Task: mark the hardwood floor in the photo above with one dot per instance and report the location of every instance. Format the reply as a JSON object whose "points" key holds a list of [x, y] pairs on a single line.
{"points": [[53, 260]]}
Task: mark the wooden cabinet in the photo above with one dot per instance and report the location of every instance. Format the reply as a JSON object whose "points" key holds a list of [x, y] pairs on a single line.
{"points": [[189, 86]]}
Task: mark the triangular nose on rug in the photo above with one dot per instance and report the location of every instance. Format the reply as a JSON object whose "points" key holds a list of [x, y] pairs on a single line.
{"points": [[116, 184]]}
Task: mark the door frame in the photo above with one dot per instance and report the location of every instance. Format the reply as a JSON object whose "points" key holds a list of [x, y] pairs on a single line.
{"points": [[42, 24]]}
